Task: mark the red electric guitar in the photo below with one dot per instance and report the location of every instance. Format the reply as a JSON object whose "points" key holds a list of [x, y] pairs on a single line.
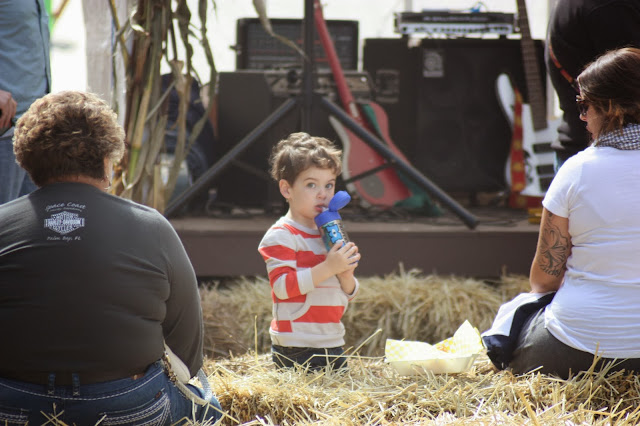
{"points": [[383, 188]]}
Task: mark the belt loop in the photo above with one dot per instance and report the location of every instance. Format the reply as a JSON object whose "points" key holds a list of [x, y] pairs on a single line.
{"points": [[51, 384], [75, 383]]}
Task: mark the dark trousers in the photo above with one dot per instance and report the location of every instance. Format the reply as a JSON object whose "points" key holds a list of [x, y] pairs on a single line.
{"points": [[311, 358], [537, 347]]}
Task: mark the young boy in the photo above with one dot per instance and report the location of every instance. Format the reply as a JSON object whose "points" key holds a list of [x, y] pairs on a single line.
{"points": [[310, 287]]}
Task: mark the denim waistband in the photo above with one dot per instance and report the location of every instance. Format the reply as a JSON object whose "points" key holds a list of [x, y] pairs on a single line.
{"points": [[73, 379], [85, 392]]}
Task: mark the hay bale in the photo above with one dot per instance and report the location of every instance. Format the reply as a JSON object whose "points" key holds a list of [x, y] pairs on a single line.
{"points": [[253, 392], [405, 305], [236, 318], [412, 306]]}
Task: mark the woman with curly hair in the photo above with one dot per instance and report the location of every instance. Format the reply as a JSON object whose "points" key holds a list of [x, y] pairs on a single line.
{"points": [[92, 286]]}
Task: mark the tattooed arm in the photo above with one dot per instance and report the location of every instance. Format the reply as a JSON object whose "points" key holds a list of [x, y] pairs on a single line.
{"points": [[554, 248]]}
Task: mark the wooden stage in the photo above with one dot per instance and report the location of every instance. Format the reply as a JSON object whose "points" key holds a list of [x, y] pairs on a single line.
{"points": [[504, 240]]}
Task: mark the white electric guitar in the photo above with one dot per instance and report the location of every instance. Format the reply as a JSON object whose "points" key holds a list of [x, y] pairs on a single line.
{"points": [[537, 132], [536, 144]]}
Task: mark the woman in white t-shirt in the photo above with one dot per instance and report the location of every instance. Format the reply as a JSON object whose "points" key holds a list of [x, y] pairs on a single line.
{"points": [[590, 236]]}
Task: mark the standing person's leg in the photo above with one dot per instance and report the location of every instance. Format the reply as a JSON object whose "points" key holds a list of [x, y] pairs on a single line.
{"points": [[11, 174], [27, 186], [560, 158]]}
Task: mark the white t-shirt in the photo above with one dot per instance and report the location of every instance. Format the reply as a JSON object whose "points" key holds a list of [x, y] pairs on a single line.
{"points": [[597, 308]]}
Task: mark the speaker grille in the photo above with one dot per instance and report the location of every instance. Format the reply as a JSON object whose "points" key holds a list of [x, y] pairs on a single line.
{"points": [[258, 50], [446, 115]]}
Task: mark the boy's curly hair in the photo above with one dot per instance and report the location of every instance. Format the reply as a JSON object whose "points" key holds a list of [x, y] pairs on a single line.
{"points": [[298, 152]]}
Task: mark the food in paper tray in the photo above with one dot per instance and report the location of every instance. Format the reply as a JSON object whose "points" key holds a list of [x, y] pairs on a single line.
{"points": [[453, 355]]}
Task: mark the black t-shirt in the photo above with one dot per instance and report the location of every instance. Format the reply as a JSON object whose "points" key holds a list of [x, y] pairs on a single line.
{"points": [[90, 282], [580, 31]]}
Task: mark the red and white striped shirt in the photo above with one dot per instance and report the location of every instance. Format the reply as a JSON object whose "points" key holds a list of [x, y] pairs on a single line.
{"points": [[304, 315]]}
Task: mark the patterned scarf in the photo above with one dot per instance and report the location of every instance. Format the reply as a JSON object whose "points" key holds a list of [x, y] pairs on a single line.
{"points": [[629, 140]]}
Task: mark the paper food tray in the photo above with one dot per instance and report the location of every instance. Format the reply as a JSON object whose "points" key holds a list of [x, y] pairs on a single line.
{"points": [[453, 355], [435, 366]]}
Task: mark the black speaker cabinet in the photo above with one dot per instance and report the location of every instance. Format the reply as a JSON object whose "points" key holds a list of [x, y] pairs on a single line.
{"points": [[258, 50], [245, 99], [443, 108]]}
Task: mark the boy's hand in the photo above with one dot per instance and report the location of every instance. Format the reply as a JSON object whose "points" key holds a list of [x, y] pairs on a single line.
{"points": [[340, 261], [343, 257]]}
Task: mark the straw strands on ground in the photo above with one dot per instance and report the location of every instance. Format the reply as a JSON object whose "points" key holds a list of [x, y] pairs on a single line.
{"points": [[405, 305], [253, 392]]}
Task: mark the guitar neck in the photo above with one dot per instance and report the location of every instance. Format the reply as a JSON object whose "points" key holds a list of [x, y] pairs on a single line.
{"points": [[346, 97], [531, 70]]}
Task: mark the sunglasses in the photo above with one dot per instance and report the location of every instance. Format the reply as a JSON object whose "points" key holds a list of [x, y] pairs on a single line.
{"points": [[583, 105]]}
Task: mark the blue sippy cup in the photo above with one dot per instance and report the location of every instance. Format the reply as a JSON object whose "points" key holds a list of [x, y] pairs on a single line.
{"points": [[329, 221]]}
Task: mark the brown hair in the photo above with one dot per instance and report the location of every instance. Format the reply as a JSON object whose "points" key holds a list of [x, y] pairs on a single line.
{"points": [[298, 152], [611, 85], [67, 134]]}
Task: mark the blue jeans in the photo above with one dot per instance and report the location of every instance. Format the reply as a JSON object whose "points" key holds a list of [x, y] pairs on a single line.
{"points": [[14, 180], [150, 400]]}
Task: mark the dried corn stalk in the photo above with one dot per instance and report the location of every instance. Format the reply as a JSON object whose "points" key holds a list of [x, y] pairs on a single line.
{"points": [[156, 27]]}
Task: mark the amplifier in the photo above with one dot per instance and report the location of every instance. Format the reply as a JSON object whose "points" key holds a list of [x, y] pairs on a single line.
{"points": [[258, 50], [245, 99], [443, 108], [454, 23]]}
